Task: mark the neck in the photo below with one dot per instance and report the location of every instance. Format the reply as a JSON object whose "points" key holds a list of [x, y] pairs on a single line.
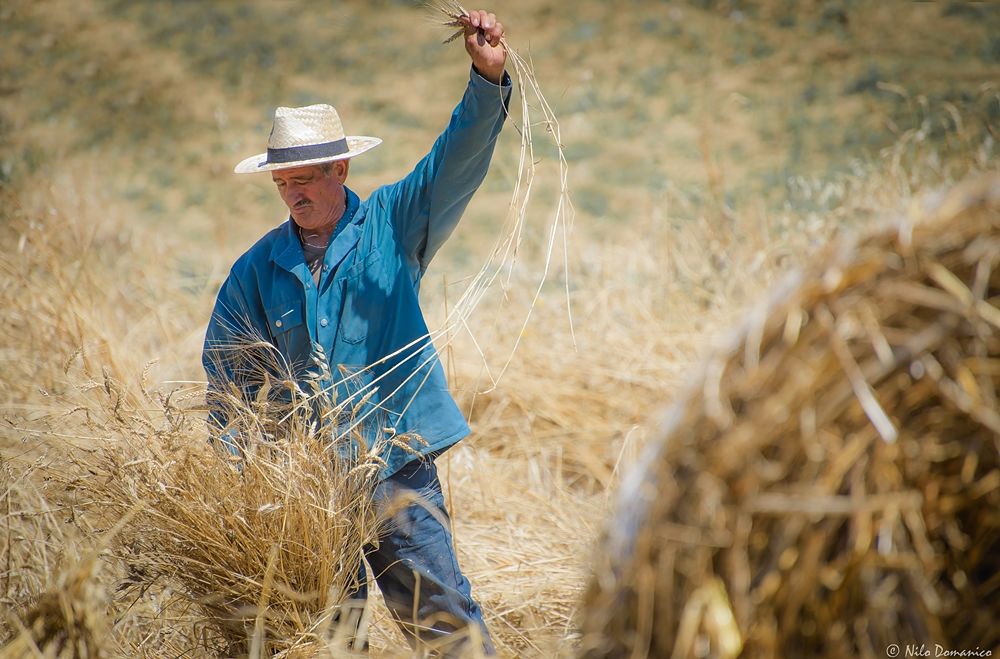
{"points": [[319, 235], [326, 229]]}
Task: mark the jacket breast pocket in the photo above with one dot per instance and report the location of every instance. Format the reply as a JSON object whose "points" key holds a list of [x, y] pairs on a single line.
{"points": [[365, 297], [286, 323]]}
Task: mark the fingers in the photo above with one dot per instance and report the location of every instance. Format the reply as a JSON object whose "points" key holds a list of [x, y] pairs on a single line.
{"points": [[495, 33], [480, 20]]}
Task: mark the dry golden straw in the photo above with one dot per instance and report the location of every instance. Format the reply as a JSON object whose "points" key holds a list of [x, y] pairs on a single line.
{"points": [[264, 546], [830, 485]]}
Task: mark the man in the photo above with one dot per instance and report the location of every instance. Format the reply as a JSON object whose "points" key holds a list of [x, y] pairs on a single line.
{"points": [[340, 279]]}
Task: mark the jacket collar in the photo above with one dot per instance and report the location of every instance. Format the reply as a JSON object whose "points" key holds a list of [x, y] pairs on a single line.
{"points": [[286, 251]]}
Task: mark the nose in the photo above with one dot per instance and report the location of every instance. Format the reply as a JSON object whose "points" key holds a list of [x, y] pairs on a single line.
{"points": [[292, 194]]}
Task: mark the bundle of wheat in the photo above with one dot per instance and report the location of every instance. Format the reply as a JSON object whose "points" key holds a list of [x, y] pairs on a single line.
{"points": [[264, 544], [831, 484]]}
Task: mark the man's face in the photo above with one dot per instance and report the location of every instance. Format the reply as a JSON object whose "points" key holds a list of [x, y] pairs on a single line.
{"points": [[314, 198]]}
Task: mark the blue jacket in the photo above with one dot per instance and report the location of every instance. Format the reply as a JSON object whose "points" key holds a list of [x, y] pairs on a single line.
{"points": [[365, 313]]}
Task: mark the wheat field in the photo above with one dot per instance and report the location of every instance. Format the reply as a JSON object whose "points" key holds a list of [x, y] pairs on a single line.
{"points": [[711, 147]]}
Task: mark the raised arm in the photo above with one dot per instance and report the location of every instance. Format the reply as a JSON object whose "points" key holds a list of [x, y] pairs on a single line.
{"points": [[426, 205]]}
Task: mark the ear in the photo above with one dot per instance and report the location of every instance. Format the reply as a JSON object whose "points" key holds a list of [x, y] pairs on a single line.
{"points": [[340, 169]]}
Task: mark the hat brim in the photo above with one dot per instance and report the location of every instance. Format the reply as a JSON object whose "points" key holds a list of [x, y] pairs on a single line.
{"points": [[356, 144]]}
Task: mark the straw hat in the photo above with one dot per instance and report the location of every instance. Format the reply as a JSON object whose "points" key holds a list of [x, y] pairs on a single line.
{"points": [[308, 135]]}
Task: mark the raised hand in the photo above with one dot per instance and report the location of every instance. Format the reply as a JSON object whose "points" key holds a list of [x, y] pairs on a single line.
{"points": [[482, 41]]}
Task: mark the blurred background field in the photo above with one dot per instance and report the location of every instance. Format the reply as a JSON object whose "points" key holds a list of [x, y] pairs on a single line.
{"points": [[713, 146]]}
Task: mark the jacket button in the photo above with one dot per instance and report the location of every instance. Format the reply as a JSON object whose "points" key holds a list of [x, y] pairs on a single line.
{"points": [[277, 323], [324, 322]]}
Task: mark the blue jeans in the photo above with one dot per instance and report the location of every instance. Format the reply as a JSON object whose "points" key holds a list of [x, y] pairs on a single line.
{"points": [[415, 564]]}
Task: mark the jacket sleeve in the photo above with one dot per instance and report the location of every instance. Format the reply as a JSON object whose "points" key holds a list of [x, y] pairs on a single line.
{"points": [[235, 331], [425, 206]]}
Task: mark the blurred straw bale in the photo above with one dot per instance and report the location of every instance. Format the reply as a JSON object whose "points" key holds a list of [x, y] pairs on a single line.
{"points": [[830, 485]]}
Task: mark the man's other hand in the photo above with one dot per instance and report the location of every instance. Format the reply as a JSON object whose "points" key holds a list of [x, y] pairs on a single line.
{"points": [[482, 41]]}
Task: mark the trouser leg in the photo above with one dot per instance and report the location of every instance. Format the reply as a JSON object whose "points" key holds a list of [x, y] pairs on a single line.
{"points": [[416, 567]]}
